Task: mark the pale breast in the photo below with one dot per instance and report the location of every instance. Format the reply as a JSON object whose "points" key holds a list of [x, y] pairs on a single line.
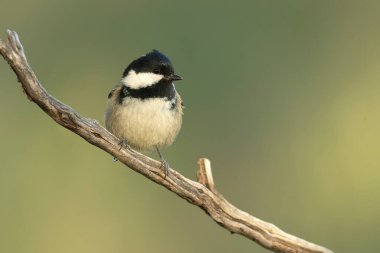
{"points": [[145, 124]]}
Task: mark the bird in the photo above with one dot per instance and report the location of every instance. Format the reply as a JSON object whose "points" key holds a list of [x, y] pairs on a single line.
{"points": [[144, 110]]}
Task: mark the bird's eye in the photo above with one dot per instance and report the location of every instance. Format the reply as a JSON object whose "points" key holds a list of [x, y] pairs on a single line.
{"points": [[156, 71]]}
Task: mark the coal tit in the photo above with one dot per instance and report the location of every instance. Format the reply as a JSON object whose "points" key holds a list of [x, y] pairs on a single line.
{"points": [[144, 110]]}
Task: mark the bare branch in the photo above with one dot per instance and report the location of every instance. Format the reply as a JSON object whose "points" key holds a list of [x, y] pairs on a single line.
{"points": [[201, 193]]}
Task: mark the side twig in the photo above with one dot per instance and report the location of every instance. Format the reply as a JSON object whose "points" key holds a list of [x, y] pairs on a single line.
{"points": [[201, 193]]}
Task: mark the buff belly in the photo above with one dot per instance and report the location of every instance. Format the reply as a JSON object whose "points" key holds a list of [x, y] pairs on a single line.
{"points": [[145, 124]]}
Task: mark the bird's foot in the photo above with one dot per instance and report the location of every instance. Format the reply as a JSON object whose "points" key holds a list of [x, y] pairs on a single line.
{"points": [[122, 144], [165, 167], [164, 164]]}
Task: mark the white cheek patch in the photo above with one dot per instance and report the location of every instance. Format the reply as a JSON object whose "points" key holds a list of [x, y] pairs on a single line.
{"points": [[135, 80]]}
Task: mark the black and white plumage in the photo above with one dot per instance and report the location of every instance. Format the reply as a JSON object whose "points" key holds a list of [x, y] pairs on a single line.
{"points": [[145, 110]]}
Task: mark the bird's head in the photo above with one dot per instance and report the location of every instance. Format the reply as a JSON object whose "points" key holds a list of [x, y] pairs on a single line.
{"points": [[148, 70]]}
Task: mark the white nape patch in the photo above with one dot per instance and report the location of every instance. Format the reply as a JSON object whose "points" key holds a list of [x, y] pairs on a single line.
{"points": [[135, 80]]}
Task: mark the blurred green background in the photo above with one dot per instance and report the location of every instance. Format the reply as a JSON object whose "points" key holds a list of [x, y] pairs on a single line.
{"points": [[282, 96]]}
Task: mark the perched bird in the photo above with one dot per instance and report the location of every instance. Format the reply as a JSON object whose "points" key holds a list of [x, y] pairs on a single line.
{"points": [[144, 110]]}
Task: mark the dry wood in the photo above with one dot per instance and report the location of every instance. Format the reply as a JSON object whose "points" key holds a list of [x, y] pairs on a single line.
{"points": [[201, 193]]}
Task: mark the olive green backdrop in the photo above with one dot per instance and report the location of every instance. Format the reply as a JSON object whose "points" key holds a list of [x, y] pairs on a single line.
{"points": [[282, 96]]}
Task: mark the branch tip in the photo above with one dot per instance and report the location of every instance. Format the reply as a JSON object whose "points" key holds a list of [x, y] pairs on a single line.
{"points": [[204, 174], [14, 42]]}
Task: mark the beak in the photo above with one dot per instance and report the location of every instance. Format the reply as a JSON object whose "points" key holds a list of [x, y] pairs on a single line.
{"points": [[174, 77]]}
